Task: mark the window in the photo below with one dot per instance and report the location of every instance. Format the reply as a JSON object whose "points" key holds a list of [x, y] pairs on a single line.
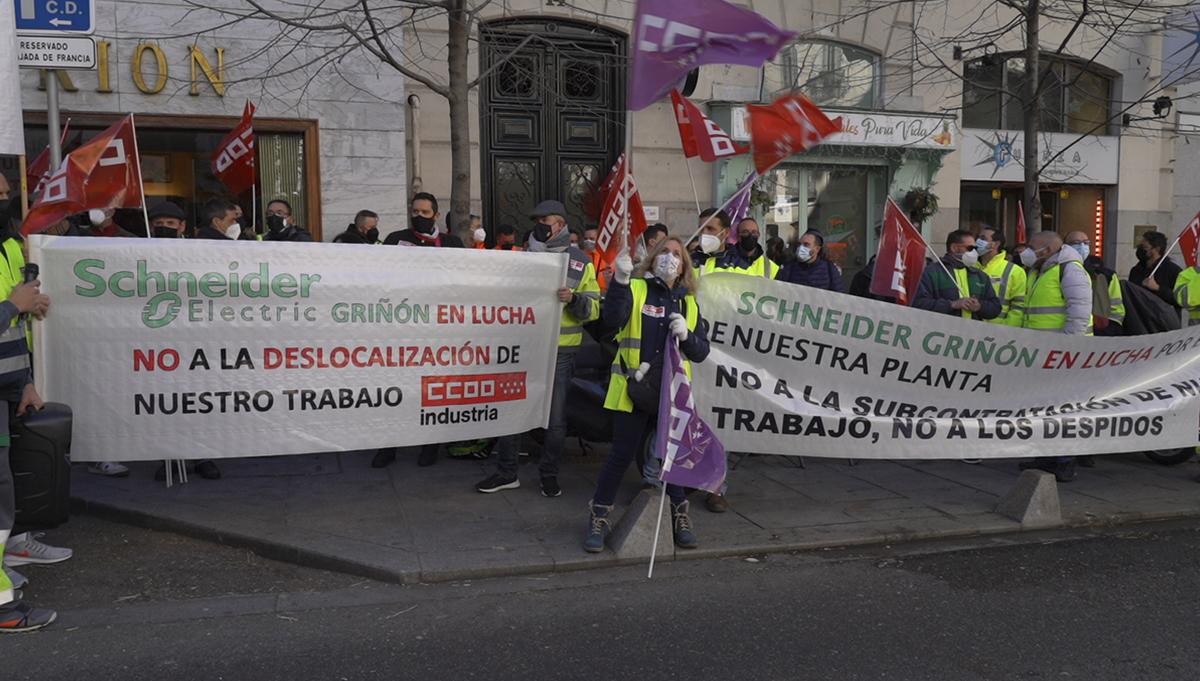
{"points": [[1072, 98], [830, 74]]}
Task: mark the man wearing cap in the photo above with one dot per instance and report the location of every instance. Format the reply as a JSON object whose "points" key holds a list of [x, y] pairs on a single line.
{"points": [[167, 221], [580, 297]]}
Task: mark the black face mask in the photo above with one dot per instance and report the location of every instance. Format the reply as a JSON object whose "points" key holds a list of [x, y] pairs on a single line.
{"points": [[748, 243], [166, 233], [276, 223], [1142, 255], [541, 232], [424, 225], [372, 235]]}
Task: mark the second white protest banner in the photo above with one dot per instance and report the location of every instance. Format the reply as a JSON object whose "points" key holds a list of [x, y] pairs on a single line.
{"points": [[204, 349]]}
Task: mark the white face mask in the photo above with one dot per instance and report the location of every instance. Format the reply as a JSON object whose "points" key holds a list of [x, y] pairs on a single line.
{"points": [[480, 235], [803, 253], [1084, 249], [96, 217], [1028, 257], [589, 244], [666, 267], [970, 258], [233, 231], [709, 244]]}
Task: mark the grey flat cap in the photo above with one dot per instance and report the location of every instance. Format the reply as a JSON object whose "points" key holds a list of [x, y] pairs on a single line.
{"points": [[548, 207]]}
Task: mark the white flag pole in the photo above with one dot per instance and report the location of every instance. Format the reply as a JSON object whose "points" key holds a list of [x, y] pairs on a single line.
{"points": [[141, 182], [1164, 256], [662, 502], [696, 195]]}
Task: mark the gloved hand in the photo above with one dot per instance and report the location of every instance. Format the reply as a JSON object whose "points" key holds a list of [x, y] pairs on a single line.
{"points": [[678, 326], [622, 267], [641, 371]]}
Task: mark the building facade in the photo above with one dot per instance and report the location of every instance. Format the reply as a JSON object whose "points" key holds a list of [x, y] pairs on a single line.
{"points": [[330, 136]]}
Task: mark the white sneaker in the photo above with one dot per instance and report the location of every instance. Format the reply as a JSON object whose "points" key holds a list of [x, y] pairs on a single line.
{"points": [[110, 469], [25, 549], [19, 581]]}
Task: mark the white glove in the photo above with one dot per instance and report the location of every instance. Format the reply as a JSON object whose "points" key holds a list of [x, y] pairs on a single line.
{"points": [[623, 267], [641, 371], [678, 326]]}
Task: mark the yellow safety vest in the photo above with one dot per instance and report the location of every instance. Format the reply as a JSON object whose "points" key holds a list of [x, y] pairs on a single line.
{"points": [[1187, 293], [1008, 281], [581, 278], [762, 267], [1046, 306], [13, 357], [629, 347]]}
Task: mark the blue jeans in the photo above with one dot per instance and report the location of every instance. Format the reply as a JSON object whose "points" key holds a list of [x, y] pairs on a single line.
{"points": [[556, 431], [627, 436]]}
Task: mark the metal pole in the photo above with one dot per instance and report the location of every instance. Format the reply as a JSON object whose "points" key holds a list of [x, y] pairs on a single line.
{"points": [[52, 119]]}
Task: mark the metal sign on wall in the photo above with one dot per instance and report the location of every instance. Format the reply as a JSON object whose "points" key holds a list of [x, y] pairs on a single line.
{"points": [[998, 155], [864, 128], [56, 52]]}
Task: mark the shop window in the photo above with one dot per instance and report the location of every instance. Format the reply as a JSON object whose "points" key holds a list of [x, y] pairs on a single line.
{"points": [[1073, 98], [829, 73], [979, 210]]}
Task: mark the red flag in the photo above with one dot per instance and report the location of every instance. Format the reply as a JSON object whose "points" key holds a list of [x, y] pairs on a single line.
{"points": [[71, 190], [788, 125], [699, 135], [1189, 240], [901, 257], [233, 161], [39, 169], [612, 218], [1021, 224]]}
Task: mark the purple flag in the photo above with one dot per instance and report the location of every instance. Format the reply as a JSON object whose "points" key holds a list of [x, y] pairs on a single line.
{"points": [[692, 455], [740, 208], [673, 37]]}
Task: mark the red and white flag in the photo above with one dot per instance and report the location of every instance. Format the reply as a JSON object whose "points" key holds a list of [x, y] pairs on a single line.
{"points": [[104, 173], [613, 215], [39, 168], [699, 135], [1189, 240], [1021, 224], [233, 161], [900, 260], [788, 125]]}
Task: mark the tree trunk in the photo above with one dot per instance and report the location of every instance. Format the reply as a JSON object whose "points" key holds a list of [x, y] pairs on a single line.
{"points": [[460, 121], [1033, 202]]}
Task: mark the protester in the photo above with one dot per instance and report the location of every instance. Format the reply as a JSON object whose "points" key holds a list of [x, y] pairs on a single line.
{"points": [[860, 284], [1008, 278], [744, 257], [280, 226], [364, 229], [423, 229], [654, 234], [581, 304], [1014, 254], [812, 266], [713, 234], [104, 225], [777, 251], [1058, 299], [658, 302], [476, 232], [16, 385], [167, 221], [1108, 307], [576, 235], [1150, 251], [965, 290], [506, 238]]}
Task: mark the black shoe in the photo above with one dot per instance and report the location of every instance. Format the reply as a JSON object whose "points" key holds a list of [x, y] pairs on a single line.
{"points": [[428, 457], [383, 458], [208, 470], [1065, 471], [550, 487], [497, 483]]}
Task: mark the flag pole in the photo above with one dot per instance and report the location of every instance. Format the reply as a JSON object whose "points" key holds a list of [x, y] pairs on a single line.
{"points": [[696, 195], [662, 502], [728, 203], [21, 168], [141, 181], [625, 178], [254, 207], [1168, 252]]}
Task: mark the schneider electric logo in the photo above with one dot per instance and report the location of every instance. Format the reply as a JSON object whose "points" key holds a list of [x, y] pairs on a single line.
{"points": [[207, 297]]}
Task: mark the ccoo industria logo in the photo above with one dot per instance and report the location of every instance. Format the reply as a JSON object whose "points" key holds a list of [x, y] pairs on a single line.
{"points": [[235, 295]]}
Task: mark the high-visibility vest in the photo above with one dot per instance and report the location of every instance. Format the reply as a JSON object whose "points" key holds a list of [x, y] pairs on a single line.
{"points": [[1008, 281], [1187, 293], [14, 263], [1116, 305], [762, 267], [1045, 304], [629, 347], [581, 278], [14, 348]]}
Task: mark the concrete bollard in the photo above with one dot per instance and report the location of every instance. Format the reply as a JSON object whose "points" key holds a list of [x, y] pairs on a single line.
{"points": [[633, 536], [1033, 501]]}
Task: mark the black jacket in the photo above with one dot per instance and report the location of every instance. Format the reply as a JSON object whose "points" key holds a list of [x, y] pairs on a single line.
{"points": [[1165, 277], [289, 233], [351, 236], [410, 237], [207, 232]]}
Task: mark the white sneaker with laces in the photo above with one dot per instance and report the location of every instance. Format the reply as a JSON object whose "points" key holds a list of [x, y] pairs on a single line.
{"points": [[19, 581], [25, 549], [110, 469]]}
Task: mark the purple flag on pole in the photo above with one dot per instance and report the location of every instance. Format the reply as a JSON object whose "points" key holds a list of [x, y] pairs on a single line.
{"points": [[673, 37], [692, 455], [740, 208]]}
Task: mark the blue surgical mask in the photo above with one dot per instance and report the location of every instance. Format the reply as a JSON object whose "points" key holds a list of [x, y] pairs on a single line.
{"points": [[982, 246], [1084, 249], [803, 253]]}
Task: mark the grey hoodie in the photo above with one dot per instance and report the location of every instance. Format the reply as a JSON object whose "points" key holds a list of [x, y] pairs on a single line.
{"points": [[1076, 288]]}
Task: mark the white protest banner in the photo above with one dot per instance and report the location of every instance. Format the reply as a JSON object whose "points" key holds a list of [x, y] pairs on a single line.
{"points": [[206, 349], [796, 370]]}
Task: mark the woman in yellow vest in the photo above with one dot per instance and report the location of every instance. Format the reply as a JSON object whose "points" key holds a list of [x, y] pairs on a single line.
{"points": [[648, 306]]}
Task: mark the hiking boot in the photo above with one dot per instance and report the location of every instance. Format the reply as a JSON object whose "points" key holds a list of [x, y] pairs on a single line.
{"points": [[19, 581], [497, 483], [16, 617], [25, 549], [685, 538], [716, 503], [550, 487], [598, 528], [383, 458], [208, 470]]}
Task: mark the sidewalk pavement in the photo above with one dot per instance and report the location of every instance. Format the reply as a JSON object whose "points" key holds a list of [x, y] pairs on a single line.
{"points": [[410, 524]]}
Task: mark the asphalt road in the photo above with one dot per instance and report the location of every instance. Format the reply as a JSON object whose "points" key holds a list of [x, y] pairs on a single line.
{"points": [[1121, 604]]}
